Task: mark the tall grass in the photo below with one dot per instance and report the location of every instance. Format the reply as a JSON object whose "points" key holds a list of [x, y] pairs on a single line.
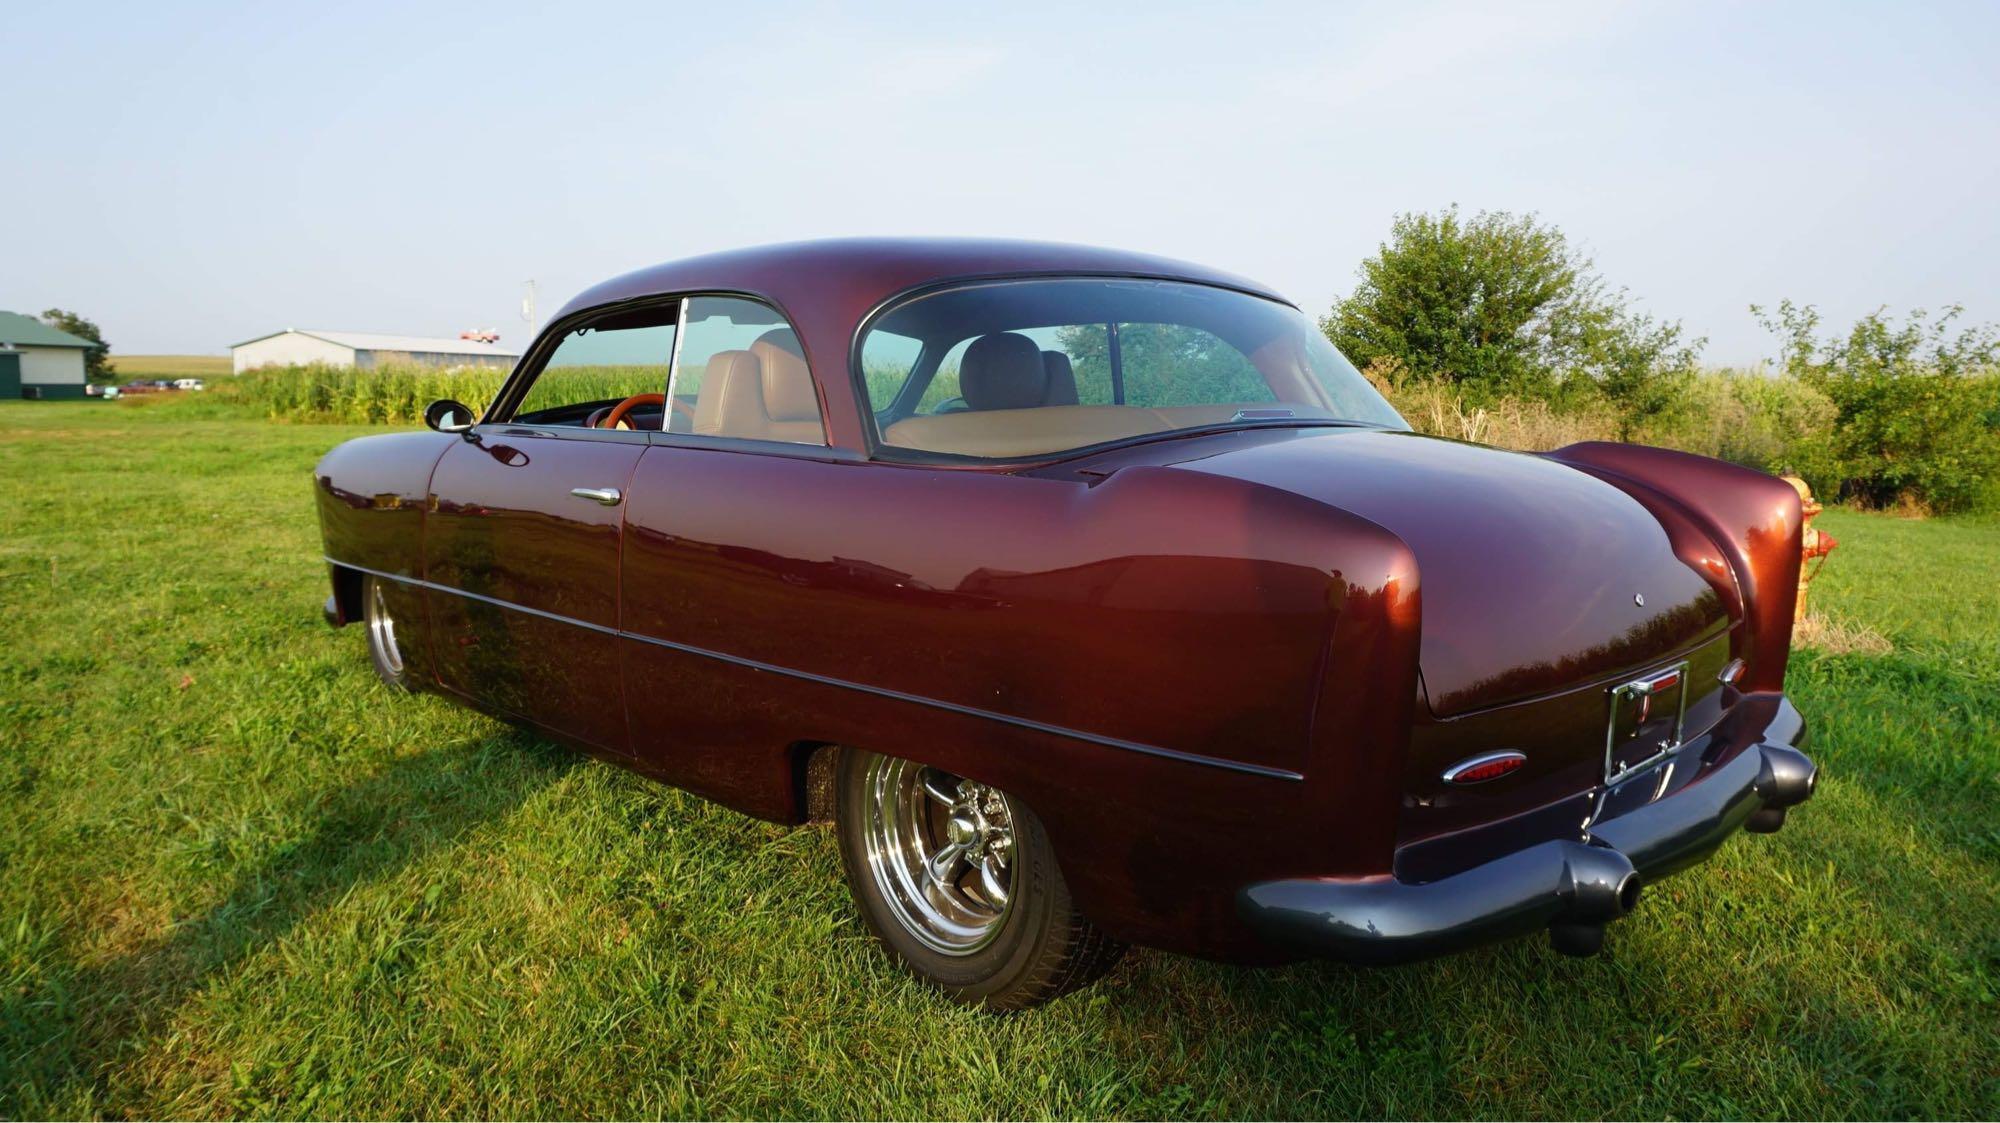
{"points": [[1770, 422], [1749, 417]]}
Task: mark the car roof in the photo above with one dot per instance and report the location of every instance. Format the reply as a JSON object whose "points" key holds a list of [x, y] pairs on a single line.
{"points": [[875, 269]]}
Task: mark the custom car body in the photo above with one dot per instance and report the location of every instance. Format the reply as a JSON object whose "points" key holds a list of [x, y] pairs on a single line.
{"points": [[1087, 589]]}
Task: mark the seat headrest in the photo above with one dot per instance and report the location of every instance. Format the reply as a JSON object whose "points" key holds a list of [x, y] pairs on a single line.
{"points": [[1062, 379], [787, 383], [1003, 371]]}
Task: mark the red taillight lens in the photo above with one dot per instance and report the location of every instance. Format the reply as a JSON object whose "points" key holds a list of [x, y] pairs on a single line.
{"points": [[1479, 769]]}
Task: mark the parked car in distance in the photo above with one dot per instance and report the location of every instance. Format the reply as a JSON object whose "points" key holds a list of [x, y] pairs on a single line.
{"points": [[1096, 600], [189, 384]]}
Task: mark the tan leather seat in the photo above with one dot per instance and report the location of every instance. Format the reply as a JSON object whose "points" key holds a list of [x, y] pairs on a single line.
{"points": [[765, 393]]}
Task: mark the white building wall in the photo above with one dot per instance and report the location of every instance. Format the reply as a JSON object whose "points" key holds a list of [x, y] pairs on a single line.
{"points": [[287, 348], [43, 366]]}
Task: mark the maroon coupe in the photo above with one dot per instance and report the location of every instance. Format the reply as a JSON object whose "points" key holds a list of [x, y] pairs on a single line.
{"points": [[1096, 599]]}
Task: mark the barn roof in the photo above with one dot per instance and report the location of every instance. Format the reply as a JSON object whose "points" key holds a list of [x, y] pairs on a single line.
{"points": [[369, 341], [17, 330]]}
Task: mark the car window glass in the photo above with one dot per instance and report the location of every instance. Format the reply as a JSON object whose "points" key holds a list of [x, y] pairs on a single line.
{"points": [[1031, 367], [1179, 365], [886, 363], [742, 373], [1078, 349], [600, 364]]}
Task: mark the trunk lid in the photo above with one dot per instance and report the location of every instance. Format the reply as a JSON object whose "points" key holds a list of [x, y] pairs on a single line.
{"points": [[1535, 578]]}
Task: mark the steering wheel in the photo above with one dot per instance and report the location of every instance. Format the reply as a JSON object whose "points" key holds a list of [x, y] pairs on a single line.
{"points": [[617, 414]]}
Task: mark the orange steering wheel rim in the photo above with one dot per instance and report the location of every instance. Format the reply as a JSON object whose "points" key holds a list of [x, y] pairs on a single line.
{"points": [[619, 411]]}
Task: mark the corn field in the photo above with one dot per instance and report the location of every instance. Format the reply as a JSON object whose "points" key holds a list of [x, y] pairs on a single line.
{"points": [[397, 395]]}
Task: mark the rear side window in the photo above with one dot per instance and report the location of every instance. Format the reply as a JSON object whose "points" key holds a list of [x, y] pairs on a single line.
{"points": [[741, 373]]}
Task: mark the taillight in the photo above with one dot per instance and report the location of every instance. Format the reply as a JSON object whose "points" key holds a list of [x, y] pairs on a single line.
{"points": [[1487, 766]]}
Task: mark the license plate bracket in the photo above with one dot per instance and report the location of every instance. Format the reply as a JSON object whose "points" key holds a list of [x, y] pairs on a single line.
{"points": [[1645, 721]]}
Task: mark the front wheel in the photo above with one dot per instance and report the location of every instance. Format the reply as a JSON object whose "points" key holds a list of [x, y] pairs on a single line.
{"points": [[961, 884], [383, 647]]}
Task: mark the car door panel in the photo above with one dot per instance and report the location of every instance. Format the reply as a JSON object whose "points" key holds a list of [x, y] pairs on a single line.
{"points": [[524, 577]]}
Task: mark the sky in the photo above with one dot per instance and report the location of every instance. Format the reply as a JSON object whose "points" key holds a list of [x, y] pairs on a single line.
{"points": [[193, 175]]}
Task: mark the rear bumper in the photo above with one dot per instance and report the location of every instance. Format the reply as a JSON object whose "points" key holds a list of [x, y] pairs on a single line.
{"points": [[1742, 779]]}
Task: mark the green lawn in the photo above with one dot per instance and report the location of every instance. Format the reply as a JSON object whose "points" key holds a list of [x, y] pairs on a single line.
{"points": [[238, 877]]}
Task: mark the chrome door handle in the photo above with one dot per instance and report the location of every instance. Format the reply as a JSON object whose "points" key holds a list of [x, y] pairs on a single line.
{"points": [[606, 495]]}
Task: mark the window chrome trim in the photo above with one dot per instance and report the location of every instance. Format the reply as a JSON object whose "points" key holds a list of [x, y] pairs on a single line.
{"points": [[1142, 748], [674, 365]]}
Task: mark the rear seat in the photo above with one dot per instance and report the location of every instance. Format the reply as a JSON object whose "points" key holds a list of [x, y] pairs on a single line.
{"points": [[1022, 401]]}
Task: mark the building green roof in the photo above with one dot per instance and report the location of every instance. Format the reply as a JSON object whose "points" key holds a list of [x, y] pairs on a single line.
{"points": [[17, 330]]}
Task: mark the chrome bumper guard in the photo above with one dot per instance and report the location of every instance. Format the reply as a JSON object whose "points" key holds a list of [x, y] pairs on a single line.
{"points": [[1572, 887]]}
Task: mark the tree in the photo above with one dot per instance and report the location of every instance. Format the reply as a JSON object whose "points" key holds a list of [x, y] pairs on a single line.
{"points": [[1500, 304], [1917, 404], [95, 367]]}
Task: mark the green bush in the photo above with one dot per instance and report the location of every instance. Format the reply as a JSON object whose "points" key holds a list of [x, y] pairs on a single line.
{"points": [[1917, 407]]}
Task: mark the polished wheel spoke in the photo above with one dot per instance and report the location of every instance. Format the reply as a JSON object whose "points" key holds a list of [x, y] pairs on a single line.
{"points": [[993, 879], [941, 786], [942, 864], [939, 847]]}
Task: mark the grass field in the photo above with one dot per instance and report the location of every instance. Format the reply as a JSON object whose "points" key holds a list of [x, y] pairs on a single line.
{"points": [[170, 366], [240, 878]]}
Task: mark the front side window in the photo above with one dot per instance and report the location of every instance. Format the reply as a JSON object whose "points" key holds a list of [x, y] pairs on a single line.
{"points": [[601, 364], [711, 366], [1029, 368]]}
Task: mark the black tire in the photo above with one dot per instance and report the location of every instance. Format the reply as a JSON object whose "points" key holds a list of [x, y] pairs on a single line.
{"points": [[1040, 947], [384, 641]]}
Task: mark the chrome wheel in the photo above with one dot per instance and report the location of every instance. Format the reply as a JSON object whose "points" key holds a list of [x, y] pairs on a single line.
{"points": [[382, 632], [941, 850]]}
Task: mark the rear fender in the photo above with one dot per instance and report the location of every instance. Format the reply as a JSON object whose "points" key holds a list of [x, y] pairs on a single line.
{"points": [[1739, 528]]}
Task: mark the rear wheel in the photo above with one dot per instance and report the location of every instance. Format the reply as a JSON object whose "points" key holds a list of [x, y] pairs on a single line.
{"points": [[383, 647], [961, 884]]}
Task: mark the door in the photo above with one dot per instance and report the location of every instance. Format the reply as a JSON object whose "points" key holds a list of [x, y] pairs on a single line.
{"points": [[524, 531]]}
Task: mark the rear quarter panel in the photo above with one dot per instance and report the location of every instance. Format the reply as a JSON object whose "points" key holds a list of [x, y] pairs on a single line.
{"points": [[1040, 634]]}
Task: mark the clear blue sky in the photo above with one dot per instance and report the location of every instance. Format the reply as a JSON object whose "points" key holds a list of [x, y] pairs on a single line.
{"points": [[193, 175]]}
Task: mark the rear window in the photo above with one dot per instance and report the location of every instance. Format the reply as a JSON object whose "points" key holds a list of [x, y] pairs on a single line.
{"points": [[1031, 368]]}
